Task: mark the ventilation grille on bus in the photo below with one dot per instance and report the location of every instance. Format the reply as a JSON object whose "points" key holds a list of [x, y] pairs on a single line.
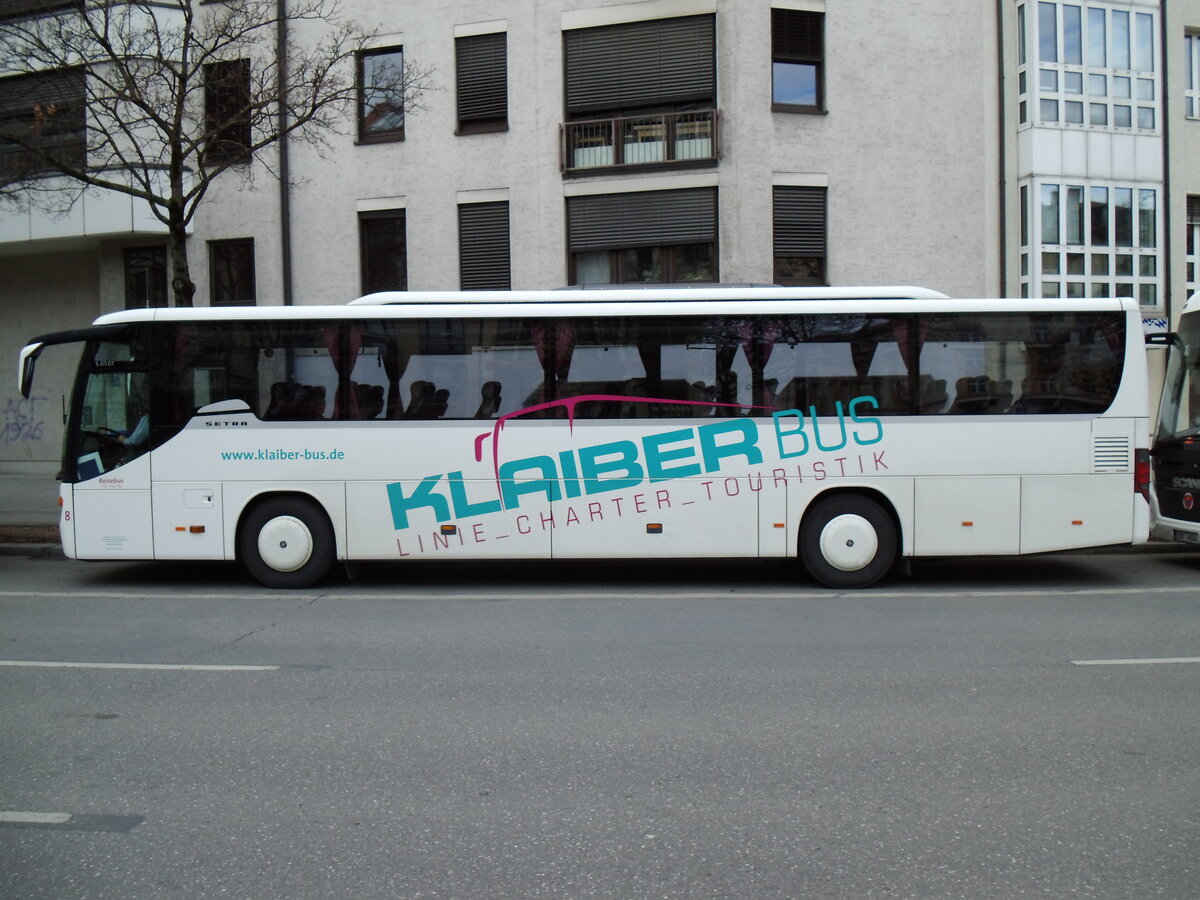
{"points": [[1110, 454]]}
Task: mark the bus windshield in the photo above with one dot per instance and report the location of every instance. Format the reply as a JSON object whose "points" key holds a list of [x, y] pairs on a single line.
{"points": [[1179, 416], [114, 413]]}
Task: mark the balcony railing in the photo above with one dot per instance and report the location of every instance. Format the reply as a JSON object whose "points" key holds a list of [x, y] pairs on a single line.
{"points": [[662, 138], [68, 212]]}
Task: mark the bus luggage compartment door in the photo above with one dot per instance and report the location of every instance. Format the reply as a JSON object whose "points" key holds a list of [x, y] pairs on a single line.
{"points": [[187, 521], [1059, 512], [963, 516], [686, 517]]}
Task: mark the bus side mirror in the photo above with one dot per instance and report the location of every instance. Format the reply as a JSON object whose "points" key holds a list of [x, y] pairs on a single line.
{"points": [[29, 356]]}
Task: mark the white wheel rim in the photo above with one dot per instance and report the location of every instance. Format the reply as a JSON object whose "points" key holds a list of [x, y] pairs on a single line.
{"points": [[285, 543], [849, 542]]}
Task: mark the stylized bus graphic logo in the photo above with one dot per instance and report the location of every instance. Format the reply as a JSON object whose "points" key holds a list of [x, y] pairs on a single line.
{"points": [[569, 404]]}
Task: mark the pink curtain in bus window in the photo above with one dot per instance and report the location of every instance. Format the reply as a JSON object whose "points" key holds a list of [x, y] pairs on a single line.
{"points": [[393, 369], [564, 348], [344, 364], [179, 413], [1113, 332], [862, 352], [902, 333], [651, 356], [765, 342], [395, 363]]}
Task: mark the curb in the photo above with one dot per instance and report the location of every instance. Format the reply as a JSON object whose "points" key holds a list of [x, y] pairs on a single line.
{"points": [[30, 541], [28, 534], [33, 550]]}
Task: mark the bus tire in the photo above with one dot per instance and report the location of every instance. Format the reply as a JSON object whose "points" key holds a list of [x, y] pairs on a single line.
{"points": [[847, 541], [287, 542]]}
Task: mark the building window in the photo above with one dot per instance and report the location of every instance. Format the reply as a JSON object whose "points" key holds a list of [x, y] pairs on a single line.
{"points": [[145, 277], [231, 272], [384, 251], [797, 60], [1192, 258], [799, 220], [41, 120], [483, 246], [1191, 58], [656, 237], [1094, 68], [227, 112], [1093, 240], [481, 62], [381, 95], [641, 93]]}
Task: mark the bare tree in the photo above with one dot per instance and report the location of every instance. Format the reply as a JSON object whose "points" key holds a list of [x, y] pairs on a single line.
{"points": [[158, 99]]}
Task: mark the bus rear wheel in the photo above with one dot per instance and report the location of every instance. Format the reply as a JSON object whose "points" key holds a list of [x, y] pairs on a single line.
{"points": [[287, 542], [848, 541]]}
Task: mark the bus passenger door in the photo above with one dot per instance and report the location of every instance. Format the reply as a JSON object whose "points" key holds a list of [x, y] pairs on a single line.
{"points": [[112, 513]]}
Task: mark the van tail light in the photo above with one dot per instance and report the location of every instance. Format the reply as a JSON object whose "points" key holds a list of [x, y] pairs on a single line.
{"points": [[1141, 472]]}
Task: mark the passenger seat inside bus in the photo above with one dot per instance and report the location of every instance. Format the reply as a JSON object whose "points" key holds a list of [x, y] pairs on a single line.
{"points": [[290, 400], [489, 400], [368, 399], [427, 401]]}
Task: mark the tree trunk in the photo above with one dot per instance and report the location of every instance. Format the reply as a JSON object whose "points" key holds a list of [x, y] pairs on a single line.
{"points": [[182, 285]]}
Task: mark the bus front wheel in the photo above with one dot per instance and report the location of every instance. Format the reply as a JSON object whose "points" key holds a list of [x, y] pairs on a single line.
{"points": [[847, 541], [287, 542]]}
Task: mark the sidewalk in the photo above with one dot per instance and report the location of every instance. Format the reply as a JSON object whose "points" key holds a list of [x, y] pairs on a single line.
{"points": [[28, 505]]}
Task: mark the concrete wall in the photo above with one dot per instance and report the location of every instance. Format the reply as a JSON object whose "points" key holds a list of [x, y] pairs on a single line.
{"points": [[41, 294], [909, 149]]}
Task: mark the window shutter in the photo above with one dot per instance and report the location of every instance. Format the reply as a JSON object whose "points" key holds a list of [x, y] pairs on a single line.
{"points": [[63, 87], [797, 35], [648, 219], [799, 221], [482, 75], [383, 251], [659, 62], [483, 246], [231, 272], [227, 110], [1193, 210]]}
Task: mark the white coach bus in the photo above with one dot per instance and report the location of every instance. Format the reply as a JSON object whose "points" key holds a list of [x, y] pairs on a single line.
{"points": [[848, 427]]}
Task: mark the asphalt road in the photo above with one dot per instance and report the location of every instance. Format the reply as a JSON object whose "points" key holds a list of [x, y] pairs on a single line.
{"points": [[995, 728]]}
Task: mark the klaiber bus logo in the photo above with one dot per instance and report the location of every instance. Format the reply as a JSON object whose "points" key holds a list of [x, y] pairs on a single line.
{"points": [[796, 445]]}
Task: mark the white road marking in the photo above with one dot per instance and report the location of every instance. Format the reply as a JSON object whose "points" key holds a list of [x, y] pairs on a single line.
{"points": [[70, 821], [171, 667], [1165, 660], [35, 818]]}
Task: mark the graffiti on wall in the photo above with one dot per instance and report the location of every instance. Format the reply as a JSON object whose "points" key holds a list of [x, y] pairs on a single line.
{"points": [[23, 420]]}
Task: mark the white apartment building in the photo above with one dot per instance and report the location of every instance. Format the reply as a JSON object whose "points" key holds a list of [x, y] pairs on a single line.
{"points": [[1003, 147]]}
